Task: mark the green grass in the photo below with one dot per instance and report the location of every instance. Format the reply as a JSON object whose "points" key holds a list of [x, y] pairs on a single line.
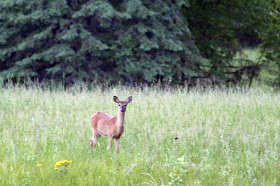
{"points": [[224, 137]]}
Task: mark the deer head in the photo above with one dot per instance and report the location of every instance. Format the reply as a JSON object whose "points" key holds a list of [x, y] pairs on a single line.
{"points": [[122, 104]]}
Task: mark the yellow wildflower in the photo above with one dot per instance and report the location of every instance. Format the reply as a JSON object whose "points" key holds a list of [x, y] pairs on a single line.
{"points": [[60, 163], [39, 165]]}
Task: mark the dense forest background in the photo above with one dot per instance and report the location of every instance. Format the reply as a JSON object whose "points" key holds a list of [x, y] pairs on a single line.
{"points": [[131, 42]]}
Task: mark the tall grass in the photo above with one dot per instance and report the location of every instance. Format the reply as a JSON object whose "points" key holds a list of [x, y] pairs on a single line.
{"points": [[224, 137]]}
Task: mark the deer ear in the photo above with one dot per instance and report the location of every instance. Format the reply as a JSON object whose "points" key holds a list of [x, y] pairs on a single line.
{"points": [[116, 99], [129, 99]]}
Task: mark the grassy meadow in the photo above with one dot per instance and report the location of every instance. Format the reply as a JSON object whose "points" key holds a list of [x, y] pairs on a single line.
{"points": [[224, 137]]}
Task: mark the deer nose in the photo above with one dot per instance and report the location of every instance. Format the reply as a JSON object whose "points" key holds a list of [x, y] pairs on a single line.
{"points": [[122, 109]]}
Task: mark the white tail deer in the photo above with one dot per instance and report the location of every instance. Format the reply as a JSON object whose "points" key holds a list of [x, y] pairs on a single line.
{"points": [[110, 126]]}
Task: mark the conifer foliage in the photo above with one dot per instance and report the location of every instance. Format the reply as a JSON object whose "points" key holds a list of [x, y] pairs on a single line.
{"points": [[105, 40]]}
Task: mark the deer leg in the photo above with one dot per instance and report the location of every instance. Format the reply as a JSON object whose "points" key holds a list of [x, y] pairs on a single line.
{"points": [[117, 145], [93, 142], [94, 139], [110, 142]]}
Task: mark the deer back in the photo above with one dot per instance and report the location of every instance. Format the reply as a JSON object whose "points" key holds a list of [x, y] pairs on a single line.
{"points": [[103, 123]]}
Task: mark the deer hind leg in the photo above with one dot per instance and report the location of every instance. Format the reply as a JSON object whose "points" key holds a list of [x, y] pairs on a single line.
{"points": [[93, 142], [94, 138]]}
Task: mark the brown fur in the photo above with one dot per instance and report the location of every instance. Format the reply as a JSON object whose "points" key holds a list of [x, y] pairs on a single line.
{"points": [[111, 126]]}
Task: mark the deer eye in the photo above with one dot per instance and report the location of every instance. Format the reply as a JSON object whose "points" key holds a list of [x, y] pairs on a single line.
{"points": [[119, 104]]}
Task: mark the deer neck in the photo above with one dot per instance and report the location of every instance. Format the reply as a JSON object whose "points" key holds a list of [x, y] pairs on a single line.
{"points": [[120, 119]]}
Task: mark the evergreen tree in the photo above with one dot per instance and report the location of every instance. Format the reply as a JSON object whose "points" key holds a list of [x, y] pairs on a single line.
{"points": [[109, 41]]}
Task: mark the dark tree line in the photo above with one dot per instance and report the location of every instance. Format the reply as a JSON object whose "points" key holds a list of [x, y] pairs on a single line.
{"points": [[136, 41]]}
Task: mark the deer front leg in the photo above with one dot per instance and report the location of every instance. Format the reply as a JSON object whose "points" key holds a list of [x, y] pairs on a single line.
{"points": [[117, 145], [110, 142]]}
